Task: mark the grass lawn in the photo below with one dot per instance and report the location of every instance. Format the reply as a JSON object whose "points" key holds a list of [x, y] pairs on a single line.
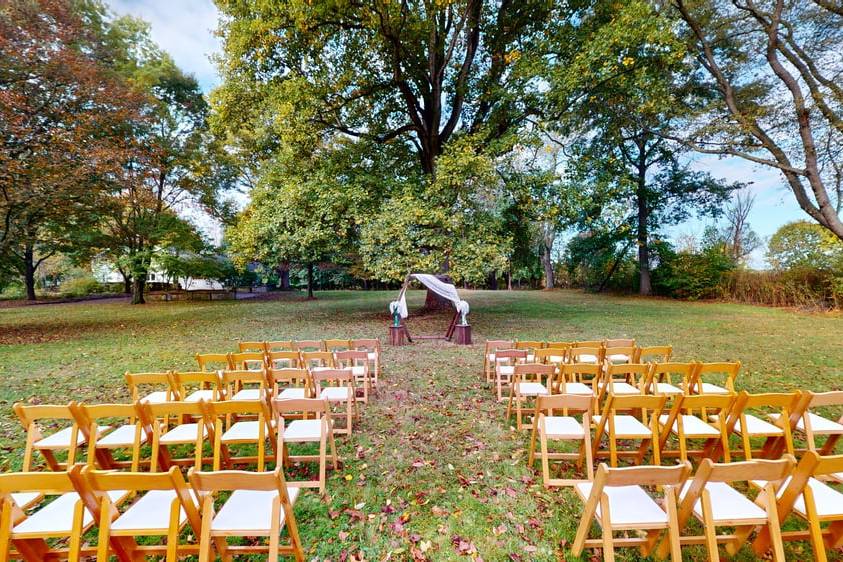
{"points": [[432, 470]]}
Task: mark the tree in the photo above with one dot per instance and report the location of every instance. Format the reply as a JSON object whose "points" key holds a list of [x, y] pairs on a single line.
{"points": [[775, 69], [804, 244], [741, 239], [63, 111], [419, 72], [176, 165]]}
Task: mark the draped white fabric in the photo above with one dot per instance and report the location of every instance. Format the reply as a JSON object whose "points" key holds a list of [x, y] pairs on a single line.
{"points": [[445, 290]]}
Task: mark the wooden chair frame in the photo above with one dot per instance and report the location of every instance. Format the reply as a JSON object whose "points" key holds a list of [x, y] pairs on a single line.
{"points": [[206, 359], [245, 361], [506, 358], [134, 380], [29, 416], [308, 345], [257, 429], [674, 423], [730, 370], [234, 385], [334, 345], [295, 379], [599, 496], [156, 419], [521, 388], [776, 437], [358, 363], [280, 345], [292, 357], [492, 346], [243, 346], [543, 416], [209, 484], [665, 353], [577, 354], [650, 408], [342, 379], [87, 418], [321, 410], [660, 378], [192, 386], [372, 346]]}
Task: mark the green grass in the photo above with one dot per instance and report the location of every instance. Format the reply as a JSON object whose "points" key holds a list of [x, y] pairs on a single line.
{"points": [[432, 462]]}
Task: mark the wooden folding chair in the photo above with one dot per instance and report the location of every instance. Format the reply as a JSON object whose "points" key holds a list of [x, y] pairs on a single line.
{"points": [[681, 423], [619, 342], [627, 427], [372, 346], [334, 345], [248, 361], [579, 378], [358, 363], [662, 376], [306, 430], [260, 505], [529, 381], [587, 343], [198, 385], [807, 496], [549, 356], [814, 425], [586, 354], [291, 383], [550, 427], [623, 378], [746, 425], [618, 354], [505, 361], [67, 439], [653, 354], [164, 510], [157, 387], [244, 385], [489, 363], [280, 345], [259, 346], [337, 387], [165, 428], [711, 499], [726, 374], [618, 501], [308, 345], [231, 428], [284, 359], [110, 427], [530, 346], [214, 361], [65, 517], [317, 360]]}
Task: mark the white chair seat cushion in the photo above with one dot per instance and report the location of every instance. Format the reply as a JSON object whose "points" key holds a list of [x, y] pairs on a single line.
{"points": [[727, 504], [576, 388], [197, 395], [692, 426], [556, 358], [303, 430], [819, 424], [563, 427], [247, 394], [184, 433], [618, 357], [123, 436], [358, 370], [531, 389], [56, 518], [708, 388], [629, 506], [667, 388], [150, 513], [335, 393], [372, 355], [757, 426], [157, 397], [490, 356], [530, 358], [506, 369], [248, 512], [319, 369], [242, 431], [25, 500], [291, 393], [627, 427], [586, 358], [59, 440], [829, 501]]}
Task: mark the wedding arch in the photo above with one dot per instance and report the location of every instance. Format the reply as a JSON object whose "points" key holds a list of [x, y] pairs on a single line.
{"points": [[399, 312]]}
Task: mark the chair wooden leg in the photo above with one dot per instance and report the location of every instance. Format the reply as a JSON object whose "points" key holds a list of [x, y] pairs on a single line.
{"points": [[814, 529], [104, 530], [323, 461], [673, 526], [75, 542], [531, 454], [274, 532], [710, 530], [545, 460], [205, 533], [173, 532], [608, 542]]}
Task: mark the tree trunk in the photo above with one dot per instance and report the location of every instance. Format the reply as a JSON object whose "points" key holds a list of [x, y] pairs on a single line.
{"points": [[284, 277], [493, 281], [310, 281], [127, 283], [645, 287], [138, 287], [547, 262], [29, 271]]}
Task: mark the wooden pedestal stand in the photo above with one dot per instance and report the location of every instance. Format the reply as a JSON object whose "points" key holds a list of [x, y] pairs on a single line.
{"points": [[462, 334], [398, 335]]}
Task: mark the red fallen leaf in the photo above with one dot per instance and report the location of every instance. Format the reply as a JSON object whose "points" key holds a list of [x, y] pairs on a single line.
{"points": [[534, 523], [355, 514], [397, 527], [417, 464], [438, 511], [530, 548], [342, 535], [515, 557], [414, 538], [333, 514], [511, 492], [388, 509]]}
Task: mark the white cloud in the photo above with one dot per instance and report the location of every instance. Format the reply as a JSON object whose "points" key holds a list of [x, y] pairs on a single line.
{"points": [[183, 28]]}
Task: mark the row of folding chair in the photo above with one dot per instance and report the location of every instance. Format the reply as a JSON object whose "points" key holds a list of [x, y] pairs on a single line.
{"points": [[529, 380], [127, 506], [765, 425], [227, 434], [587, 351], [654, 505], [357, 361]]}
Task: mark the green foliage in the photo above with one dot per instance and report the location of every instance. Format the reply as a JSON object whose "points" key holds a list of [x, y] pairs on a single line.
{"points": [[805, 245], [693, 275], [80, 286]]}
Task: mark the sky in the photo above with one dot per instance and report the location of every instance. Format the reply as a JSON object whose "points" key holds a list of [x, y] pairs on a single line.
{"points": [[185, 29]]}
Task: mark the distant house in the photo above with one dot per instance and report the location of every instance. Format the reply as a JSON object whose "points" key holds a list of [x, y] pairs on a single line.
{"points": [[105, 272]]}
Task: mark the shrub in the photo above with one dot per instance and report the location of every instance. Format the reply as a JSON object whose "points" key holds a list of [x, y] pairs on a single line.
{"points": [[80, 287], [803, 287], [692, 276]]}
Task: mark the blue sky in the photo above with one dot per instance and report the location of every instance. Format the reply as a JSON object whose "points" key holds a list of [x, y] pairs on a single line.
{"points": [[185, 29]]}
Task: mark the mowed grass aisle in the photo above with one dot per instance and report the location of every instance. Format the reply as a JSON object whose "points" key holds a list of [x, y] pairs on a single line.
{"points": [[432, 472]]}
